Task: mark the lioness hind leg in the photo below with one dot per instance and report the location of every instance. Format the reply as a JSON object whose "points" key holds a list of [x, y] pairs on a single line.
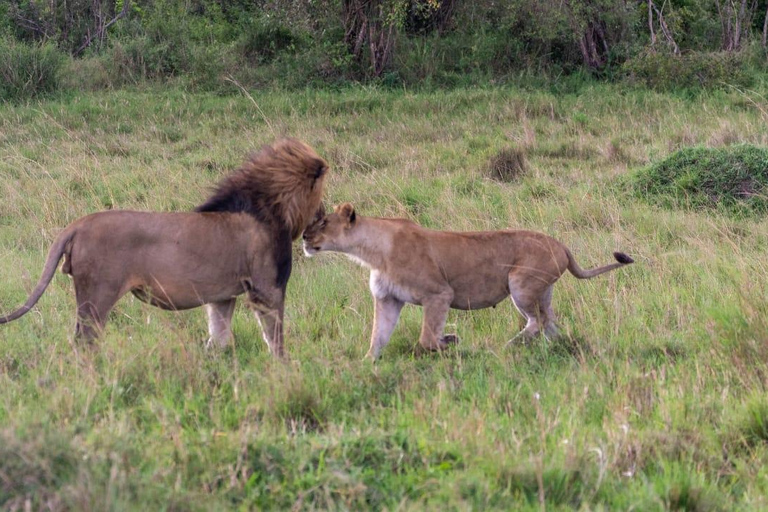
{"points": [[435, 314], [220, 322], [532, 297], [548, 314]]}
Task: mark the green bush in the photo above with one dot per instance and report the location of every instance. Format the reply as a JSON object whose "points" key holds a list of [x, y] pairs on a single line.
{"points": [[262, 40], [733, 180], [27, 71], [87, 74], [695, 70], [458, 59]]}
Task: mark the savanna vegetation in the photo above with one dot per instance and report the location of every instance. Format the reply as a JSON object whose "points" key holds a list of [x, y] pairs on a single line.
{"points": [[653, 399], [631, 126], [216, 45]]}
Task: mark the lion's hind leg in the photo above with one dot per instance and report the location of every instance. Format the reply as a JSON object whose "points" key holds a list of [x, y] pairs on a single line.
{"points": [[220, 322], [94, 302]]}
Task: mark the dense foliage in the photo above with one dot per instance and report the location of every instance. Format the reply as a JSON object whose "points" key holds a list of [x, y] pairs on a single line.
{"points": [[110, 43]]}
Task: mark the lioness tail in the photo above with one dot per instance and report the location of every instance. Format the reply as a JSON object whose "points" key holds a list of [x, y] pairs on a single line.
{"points": [[54, 256], [580, 273]]}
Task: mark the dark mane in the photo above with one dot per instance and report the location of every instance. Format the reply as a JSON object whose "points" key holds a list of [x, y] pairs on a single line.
{"points": [[237, 194], [280, 185]]}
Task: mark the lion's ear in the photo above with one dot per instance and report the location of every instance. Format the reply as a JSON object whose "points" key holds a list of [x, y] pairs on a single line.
{"points": [[319, 213], [347, 211], [320, 169]]}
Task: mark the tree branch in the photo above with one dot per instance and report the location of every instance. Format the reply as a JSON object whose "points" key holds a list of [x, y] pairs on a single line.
{"points": [[665, 30], [102, 30], [765, 28]]}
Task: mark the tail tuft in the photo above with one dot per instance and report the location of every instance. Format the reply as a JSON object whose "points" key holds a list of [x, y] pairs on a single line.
{"points": [[623, 258]]}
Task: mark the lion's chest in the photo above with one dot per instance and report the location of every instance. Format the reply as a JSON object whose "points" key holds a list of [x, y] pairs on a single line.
{"points": [[383, 287]]}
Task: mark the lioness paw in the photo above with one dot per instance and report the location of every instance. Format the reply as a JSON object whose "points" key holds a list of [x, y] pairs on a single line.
{"points": [[449, 339]]}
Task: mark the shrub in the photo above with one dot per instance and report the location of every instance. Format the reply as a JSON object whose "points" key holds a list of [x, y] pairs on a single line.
{"points": [[508, 165], [262, 40], [86, 74], [732, 179], [695, 70], [28, 70], [754, 423]]}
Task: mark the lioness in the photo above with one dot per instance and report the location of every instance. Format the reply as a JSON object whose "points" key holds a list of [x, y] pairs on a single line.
{"points": [[442, 269], [238, 241]]}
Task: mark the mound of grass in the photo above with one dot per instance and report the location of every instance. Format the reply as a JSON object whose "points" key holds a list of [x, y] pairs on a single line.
{"points": [[733, 180], [508, 165]]}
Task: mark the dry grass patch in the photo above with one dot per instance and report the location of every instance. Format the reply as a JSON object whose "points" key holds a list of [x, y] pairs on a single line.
{"points": [[508, 165]]}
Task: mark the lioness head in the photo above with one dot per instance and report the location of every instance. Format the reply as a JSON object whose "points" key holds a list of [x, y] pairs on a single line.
{"points": [[328, 232]]}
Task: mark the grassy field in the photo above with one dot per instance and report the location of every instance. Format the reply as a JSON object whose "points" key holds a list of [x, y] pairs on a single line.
{"points": [[655, 398]]}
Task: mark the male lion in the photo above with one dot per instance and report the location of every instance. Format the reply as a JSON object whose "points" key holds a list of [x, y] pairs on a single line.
{"points": [[442, 269], [238, 241]]}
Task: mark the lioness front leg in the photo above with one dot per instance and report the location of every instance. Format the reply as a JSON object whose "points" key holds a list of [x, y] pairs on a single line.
{"points": [[385, 314], [435, 314], [220, 322]]}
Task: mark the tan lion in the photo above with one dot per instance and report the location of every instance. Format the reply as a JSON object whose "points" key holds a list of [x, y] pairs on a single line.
{"points": [[440, 270], [238, 241]]}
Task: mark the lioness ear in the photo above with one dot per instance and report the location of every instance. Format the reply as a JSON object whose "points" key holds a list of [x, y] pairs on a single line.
{"points": [[347, 211]]}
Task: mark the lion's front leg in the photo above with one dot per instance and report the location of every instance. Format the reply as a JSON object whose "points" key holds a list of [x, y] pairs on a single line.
{"points": [[220, 322], [271, 322], [385, 314], [268, 304], [270, 317]]}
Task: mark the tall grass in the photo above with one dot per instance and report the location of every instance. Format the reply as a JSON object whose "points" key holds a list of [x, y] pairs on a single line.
{"points": [[653, 400], [28, 71]]}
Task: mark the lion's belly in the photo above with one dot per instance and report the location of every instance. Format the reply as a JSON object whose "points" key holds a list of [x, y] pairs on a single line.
{"points": [[183, 294]]}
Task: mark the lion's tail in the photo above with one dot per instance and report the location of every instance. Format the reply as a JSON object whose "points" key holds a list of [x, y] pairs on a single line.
{"points": [[580, 273], [58, 249]]}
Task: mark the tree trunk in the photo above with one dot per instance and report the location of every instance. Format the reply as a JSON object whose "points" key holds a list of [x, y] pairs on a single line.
{"points": [[650, 24], [765, 29], [366, 24], [101, 25], [734, 22], [591, 39], [665, 30]]}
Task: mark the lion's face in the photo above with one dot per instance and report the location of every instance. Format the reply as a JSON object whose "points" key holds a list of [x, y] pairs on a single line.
{"points": [[328, 233]]}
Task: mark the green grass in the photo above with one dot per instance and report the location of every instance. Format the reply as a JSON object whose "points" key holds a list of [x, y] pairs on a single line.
{"points": [[654, 400], [732, 179]]}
